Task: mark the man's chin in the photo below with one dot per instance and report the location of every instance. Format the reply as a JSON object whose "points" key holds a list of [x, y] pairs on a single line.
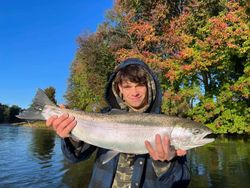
{"points": [[136, 106]]}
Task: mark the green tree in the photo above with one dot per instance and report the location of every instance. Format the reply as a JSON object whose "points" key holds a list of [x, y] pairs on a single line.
{"points": [[8, 114], [13, 111], [4, 113], [51, 92], [1, 113], [90, 69]]}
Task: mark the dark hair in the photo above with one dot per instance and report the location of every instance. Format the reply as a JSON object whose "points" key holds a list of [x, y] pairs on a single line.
{"points": [[132, 73]]}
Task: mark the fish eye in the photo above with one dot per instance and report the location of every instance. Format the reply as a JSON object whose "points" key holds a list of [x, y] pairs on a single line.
{"points": [[196, 131]]}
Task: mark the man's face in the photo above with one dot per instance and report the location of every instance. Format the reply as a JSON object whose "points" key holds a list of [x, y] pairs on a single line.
{"points": [[134, 94]]}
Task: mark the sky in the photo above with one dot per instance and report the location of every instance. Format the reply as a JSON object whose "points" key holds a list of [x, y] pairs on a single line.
{"points": [[38, 44]]}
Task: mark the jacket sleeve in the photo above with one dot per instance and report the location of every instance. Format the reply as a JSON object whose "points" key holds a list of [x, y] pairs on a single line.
{"points": [[76, 151], [175, 172]]}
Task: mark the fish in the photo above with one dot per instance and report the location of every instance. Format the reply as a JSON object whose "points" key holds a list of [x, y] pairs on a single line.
{"points": [[122, 132]]}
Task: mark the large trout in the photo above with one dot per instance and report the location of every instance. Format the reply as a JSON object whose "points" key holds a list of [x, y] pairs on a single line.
{"points": [[122, 131]]}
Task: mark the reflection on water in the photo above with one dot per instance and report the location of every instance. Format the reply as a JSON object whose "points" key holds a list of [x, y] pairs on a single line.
{"points": [[224, 163], [78, 175], [32, 158], [26, 161], [42, 144]]}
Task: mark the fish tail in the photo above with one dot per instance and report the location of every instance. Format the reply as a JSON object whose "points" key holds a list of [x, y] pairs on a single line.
{"points": [[34, 112]]}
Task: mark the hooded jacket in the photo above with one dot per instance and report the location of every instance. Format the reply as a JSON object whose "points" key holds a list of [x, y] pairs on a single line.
{"points": [[154, 107], [144, 174]]}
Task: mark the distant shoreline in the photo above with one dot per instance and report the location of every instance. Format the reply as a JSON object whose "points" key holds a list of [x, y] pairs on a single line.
{"points": [[33, 124]]}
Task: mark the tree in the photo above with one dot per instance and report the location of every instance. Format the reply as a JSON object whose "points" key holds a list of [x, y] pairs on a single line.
{"points": [[199, 49], [13, 111], [8, 114], [4, 113], [201, 55], [51, 92], [89, 72]]}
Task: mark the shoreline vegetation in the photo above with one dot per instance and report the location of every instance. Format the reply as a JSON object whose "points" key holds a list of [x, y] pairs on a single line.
{"points": [[8, 113], [32, 124]]}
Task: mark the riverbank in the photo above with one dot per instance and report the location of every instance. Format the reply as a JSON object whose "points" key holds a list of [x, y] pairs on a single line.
{"points": [[33, 124]]}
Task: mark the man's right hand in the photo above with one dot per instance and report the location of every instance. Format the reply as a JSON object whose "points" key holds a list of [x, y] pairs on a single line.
{"points": [[62, 124]]}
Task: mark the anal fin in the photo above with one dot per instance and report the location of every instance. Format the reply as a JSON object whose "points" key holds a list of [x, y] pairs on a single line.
{"points": [[108, 156]]}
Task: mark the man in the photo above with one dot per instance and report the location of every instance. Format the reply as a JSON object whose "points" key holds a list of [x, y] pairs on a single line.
{"points": [[132, 87]]}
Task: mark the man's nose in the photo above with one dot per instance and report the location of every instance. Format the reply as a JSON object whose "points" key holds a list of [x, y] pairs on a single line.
{"points": [[134, 91]]}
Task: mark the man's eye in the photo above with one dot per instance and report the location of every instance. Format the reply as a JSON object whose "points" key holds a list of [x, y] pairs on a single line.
{"points": [[140, 86], [126, 86]]}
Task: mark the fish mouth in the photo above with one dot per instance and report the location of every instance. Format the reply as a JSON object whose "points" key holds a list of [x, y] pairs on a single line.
{"points": [[203, 139], [200, 140]]}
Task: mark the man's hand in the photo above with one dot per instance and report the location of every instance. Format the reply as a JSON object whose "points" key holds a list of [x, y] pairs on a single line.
{"points": [[163, 150], [62, 124]]}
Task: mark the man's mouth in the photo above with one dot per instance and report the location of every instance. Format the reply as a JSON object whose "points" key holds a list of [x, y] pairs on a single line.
{"points": [[135, 99]]}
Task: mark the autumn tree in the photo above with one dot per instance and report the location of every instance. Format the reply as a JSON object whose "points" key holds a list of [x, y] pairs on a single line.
{"points": [[201, 55], [199, 49], [215, 61]]}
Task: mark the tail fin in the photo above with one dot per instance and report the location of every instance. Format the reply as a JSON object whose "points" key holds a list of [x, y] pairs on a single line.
{"points": [[38, 103]]}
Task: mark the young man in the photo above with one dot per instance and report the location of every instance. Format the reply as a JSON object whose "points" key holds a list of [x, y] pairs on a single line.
{"points": [[132, 87]]}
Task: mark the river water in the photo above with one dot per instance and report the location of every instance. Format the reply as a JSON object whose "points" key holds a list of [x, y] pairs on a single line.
{"points": [[32, 157]]}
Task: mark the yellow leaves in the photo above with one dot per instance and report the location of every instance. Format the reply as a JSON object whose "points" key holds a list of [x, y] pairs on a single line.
{"points": [[186, 53], [209, 106], [77, 67], [171, 75], [243, 88], [123, 54]]}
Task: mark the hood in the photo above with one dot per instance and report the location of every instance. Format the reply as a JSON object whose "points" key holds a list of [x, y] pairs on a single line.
{"points": [[154, 107]]}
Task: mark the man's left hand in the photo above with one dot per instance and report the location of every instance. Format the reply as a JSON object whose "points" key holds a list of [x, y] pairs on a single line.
{"points": [[163, 150]]}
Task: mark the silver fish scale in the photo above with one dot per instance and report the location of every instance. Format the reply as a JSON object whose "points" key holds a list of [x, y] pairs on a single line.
{"points": [[127, 132], [123, 132]]}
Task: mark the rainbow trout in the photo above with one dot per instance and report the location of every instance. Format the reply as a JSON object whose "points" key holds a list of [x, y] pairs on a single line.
{"points": [[122, 131]]}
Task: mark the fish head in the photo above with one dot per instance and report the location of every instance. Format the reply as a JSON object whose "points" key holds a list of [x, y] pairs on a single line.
{"points": [[188, 134]]}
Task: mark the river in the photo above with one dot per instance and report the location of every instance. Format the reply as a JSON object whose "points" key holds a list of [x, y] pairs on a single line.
{"points": [[32, 157]]}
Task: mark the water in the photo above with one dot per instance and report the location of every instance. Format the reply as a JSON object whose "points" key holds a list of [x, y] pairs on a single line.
{"points": [[32, 158], [224, 163]]}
